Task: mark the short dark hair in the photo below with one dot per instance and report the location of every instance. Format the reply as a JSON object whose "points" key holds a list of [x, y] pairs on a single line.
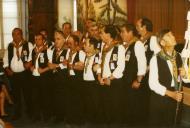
{"points": [[148, 23], [18, 29], [112, 30], [60, 32], [130, 27], [162, 33], [67, 23], [93, 41], [39, 34], [75, 38]]}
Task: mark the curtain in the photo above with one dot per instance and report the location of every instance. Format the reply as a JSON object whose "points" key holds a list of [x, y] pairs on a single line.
{"points": [[131, 4], [163, 13]]}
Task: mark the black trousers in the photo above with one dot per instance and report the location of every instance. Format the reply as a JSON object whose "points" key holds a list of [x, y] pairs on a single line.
{"points": [[42, 96], [90, 99], [20, 90], [110, 103], [75, 105], [60, 99]]}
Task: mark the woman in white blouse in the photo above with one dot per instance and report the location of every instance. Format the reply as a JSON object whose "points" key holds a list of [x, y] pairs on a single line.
{"points": [[165, 71]]}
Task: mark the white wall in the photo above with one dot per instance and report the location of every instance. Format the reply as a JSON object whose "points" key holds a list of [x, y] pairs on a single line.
{"points": [[65, 12]]}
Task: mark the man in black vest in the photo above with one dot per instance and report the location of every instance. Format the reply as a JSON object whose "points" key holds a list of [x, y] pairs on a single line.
{"points": [[112, 67], [58, 66], [75, 64], [135, 69], [165, 71], [16, 64], [41, 87], [145, 29]]}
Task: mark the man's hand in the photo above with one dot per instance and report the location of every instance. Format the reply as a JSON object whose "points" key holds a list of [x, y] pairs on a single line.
{"points": [[65, 62], [32, 68], [107, 81], [136, 84], [27, 65], [52, 66], [79, 66], [8, 71]]}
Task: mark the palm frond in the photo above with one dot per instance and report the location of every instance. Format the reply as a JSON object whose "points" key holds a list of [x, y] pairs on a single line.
{"points": [[117, 8], [103, 6]]}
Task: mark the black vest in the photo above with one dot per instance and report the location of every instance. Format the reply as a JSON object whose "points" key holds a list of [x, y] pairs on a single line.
{"points": [[148, 51], [164, 75], [61, 57], [78, 73], [24, 52], [131, 64], [42, 60], [114, 58]]}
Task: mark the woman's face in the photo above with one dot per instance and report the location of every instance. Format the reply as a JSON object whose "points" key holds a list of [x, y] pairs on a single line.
{"points": [[59, 40], [168, 40], [88, 47]]}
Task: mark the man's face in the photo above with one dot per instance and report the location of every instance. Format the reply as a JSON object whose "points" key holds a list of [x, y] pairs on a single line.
{"points": [[59, 40], [39, 41], [66, 29], [125, 35], [71, 43], [88, 23], [93, 31], [139, 27], [17, 36]]}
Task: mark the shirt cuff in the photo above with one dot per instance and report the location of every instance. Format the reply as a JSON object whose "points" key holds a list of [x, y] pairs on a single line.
{"points": [[162, 91], [62, 66]]}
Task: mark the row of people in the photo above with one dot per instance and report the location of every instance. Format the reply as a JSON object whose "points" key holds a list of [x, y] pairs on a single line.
{"points": [[98, 80]]}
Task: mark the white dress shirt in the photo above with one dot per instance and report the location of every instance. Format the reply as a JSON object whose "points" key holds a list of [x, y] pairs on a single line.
{"points": [[88, 74], [35, 71], [153, 77], [17, 64], [154, 46], [141, 58], [118, 72]]}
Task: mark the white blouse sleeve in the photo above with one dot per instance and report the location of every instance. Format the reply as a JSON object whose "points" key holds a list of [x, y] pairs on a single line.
{"points": [[153, 78]]}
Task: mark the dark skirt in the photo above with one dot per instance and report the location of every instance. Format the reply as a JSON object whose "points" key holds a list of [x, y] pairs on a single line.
{"points": [[162, 110]]}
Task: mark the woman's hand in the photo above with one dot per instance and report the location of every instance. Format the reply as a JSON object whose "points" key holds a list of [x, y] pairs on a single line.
{"points": [[176, 95]]}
